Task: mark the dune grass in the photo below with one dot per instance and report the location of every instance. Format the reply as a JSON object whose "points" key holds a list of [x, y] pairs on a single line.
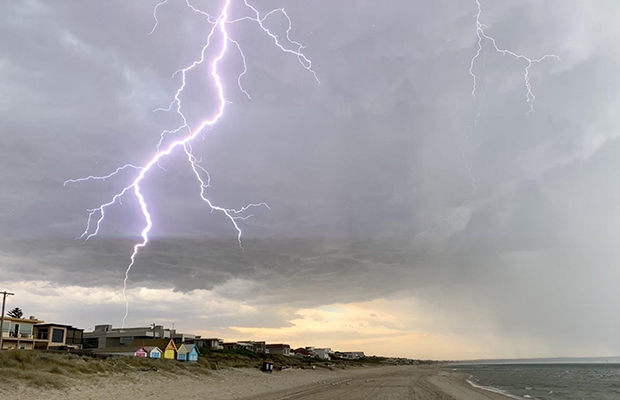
{"points": [[60, 370]]}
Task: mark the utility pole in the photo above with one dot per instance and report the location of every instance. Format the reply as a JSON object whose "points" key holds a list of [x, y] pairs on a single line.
{"points": [[4, 295]]}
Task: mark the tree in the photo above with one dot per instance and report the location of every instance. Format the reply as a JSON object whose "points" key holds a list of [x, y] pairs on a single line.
{"points": [[15, 313]]}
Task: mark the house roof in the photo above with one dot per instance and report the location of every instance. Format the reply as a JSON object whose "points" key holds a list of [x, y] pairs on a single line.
{"points": [[121, 349], [278, 345], [61, 325], [161, 343], [31, 320]]}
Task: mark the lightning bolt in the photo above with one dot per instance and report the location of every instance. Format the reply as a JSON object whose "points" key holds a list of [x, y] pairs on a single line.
{"points": [[529, 97], [482, 35], [217, 33]]}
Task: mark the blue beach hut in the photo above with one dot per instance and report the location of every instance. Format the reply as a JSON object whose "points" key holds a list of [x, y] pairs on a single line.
{"points": [[192, 352]]}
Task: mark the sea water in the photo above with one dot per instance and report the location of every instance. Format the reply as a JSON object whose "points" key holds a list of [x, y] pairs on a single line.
{"points": [[547, 381]]}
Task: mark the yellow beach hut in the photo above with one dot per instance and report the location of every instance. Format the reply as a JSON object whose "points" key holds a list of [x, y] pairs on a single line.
{"points": [[170, 352]]}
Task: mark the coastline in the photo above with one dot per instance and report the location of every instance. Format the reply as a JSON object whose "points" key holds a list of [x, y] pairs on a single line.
{"points": [[460, 386], [383, 382]]}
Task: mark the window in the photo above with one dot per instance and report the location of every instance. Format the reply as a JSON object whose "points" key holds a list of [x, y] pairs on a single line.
{"points": [[125, 341], [91, 343], [15, 332], [58, 335], [26, 329], [43, 333]]}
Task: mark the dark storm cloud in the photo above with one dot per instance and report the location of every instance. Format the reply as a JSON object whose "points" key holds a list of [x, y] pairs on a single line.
{"points": [[354, 169]]}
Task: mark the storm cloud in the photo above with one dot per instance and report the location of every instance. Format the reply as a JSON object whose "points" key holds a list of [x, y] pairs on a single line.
{"points": [[366, 174]]}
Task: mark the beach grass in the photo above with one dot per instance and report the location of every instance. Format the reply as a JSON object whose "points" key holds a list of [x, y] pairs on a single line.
{"points": [[57, 370]]}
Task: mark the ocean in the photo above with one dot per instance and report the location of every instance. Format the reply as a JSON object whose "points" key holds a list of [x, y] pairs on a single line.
{"points": [[547, 381]]}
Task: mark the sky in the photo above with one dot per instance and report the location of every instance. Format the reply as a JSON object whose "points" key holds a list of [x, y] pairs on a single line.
{"points": [[407, 217]]}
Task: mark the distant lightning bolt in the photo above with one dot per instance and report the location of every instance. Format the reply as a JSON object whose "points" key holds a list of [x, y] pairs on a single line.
{"points": [[218, 30], [529, 96], [481, 34]]}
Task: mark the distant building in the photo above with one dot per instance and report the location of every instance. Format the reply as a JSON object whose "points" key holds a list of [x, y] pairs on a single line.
{"points": [[209, 343], [31, 333], [257, 347], [59, 336], [349, 355], [230, 346], [183, 337], [105, 336], [280, 349], [18, 333], [323, 354], [302, 353]]}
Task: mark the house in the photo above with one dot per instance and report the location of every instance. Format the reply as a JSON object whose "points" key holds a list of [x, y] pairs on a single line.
{"points": [[184, 338], [19, 333], [323, 354], [349, 355], [229, 346], [209, 343], [280, 349], [257, 347], [154, 351], [59, 336], [302, 353]]}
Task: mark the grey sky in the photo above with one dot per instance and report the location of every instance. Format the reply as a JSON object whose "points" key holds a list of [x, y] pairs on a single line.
{"points": [[354, 168]]}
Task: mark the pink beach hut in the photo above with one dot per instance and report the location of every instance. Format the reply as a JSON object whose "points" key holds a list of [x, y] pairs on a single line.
{"points": [[142, 352]]}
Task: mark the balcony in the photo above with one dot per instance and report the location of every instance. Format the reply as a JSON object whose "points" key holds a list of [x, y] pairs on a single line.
{"points": [[18, 335]]}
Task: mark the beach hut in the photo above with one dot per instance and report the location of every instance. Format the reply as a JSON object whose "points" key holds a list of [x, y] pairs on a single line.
{"points": [[154, 351], [170, 352], [192, 352], [142, 352], [182, 352]]}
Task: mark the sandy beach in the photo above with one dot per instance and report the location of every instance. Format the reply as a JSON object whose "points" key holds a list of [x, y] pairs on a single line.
{"points": [[394, 382]]}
